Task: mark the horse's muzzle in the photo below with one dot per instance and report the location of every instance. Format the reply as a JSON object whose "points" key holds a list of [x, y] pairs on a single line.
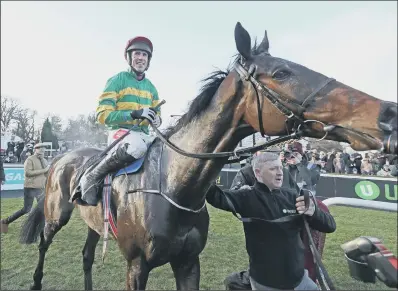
{"points": [[390, 144]]}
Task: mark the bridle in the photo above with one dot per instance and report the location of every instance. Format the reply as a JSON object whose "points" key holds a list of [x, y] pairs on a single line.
{"points": [[293, 120], [293, 123]]}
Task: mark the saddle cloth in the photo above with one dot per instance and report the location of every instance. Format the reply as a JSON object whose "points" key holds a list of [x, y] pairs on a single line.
{"points": [[132, 168]]}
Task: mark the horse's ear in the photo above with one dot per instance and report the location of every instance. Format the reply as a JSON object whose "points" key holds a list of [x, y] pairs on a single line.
{"points": [[264, 45], [243, 41]]}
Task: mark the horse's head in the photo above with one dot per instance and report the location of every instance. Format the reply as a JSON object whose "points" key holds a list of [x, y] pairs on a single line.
{"points": [[290, 96]]}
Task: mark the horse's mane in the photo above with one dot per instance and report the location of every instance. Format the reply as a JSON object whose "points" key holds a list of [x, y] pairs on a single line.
{"points": [[207, 91], [201, 102]]}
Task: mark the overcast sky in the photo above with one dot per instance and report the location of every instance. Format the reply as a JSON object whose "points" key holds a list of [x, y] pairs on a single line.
{"points": [[57, 56]]}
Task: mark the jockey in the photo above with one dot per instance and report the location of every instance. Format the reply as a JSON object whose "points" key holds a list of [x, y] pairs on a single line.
{"points": [[127, 102]]}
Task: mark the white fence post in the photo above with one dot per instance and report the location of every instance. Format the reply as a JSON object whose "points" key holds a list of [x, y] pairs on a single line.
{"points": [[361, 203]]}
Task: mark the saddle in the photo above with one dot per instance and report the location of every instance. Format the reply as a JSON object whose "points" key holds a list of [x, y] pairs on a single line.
{"points": [[94, 160]]}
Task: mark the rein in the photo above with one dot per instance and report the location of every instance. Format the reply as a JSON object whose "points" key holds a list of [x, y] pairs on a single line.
{"points": [[237, 153], [322, 274], [246, 75], [159, 192], [294, 133], [275, 99]]}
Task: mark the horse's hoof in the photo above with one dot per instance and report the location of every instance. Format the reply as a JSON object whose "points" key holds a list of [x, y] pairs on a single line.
{"points": [[35, 287]]}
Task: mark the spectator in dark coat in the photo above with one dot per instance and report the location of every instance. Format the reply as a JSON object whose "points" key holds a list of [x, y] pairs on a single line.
{"points": [[20, 146], [346, 161], [10, 147], [329, 167], [355, 164], [358, 163], [2, 174], [298, 169]]}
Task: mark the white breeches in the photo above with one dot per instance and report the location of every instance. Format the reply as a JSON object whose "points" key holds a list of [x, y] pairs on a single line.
{"points": [[138, 142]]}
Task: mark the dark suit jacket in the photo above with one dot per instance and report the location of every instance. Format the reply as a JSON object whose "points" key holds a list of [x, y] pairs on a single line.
{"points": [[2, 174]]}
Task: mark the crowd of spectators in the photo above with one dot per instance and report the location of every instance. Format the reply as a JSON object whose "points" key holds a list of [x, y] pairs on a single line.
{"points": [[339, 162], [18, 151], [371, 164]]}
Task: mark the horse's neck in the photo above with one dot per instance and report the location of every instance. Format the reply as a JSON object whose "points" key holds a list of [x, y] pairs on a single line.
{"points": [[189, 178]]}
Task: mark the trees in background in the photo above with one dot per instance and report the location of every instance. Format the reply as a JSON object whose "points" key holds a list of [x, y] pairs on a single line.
{"points": [[22, 122], [17, 119], [9, 109], [56, 124], [25, 124], [85, 129], [47, 134]]}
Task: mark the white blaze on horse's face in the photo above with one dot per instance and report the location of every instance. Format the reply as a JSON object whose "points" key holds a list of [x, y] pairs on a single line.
{"points": [[271, 174], [139, 60]]}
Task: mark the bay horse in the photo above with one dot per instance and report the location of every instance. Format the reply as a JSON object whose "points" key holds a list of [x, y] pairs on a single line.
{"points": [[258, 94]]}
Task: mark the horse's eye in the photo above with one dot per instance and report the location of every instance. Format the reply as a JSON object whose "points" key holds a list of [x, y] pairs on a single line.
{"points": [[281, 74]]}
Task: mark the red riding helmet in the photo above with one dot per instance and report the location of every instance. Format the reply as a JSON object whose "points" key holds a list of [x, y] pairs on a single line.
{"points": [[139, 43]]}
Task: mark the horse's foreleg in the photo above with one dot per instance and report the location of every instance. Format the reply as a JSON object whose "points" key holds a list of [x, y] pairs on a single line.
{"points": [[88, 257], [186, 273], [137, 274], [46, 237]]}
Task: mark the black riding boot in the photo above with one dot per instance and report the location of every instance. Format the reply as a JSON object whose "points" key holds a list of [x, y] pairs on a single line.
{"points": [[89, 183]]}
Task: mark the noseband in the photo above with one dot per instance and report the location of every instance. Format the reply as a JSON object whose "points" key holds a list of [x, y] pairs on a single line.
{"points": [[293, 120]]}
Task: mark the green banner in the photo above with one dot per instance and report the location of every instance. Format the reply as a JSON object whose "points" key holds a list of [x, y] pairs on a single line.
{"points": [[350, 186]]}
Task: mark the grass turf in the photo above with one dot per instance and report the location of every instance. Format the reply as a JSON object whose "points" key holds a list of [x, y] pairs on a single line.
{"points": [[224, 253]]}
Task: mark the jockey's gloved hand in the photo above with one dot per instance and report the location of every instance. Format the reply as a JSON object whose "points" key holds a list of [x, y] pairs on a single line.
{"points": [[147, 113]]}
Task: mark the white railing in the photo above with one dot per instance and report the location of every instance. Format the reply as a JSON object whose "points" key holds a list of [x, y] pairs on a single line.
{"points": [[368, 204]]}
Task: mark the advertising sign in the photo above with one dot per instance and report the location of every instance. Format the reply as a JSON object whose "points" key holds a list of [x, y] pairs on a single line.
{"points": [[364, 187], [14, 179], [330, 185], [351, 186]]}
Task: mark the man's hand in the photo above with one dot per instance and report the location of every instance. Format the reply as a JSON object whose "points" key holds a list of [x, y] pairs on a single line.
{"points": [[300, 206], [147, 113]]}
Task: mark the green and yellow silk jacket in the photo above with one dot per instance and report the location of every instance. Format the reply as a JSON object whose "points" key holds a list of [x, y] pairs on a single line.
{"points": [[123, 93]]}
